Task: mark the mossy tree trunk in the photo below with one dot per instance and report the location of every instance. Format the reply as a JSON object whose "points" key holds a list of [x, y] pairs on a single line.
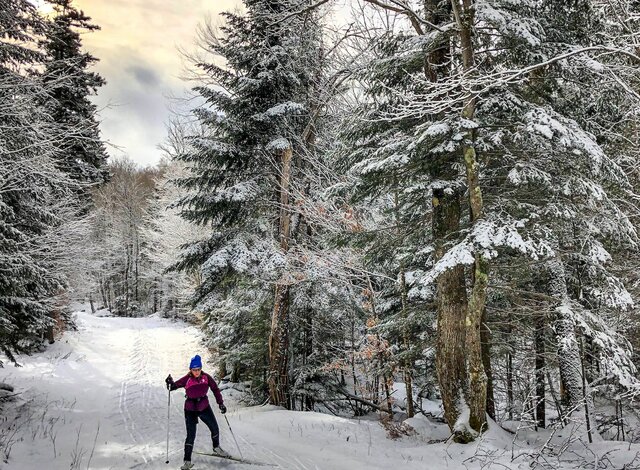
{"points": [[463, 11]]}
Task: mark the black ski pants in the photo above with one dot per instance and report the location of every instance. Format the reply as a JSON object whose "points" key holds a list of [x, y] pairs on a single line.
{"points": [[191, 420]]}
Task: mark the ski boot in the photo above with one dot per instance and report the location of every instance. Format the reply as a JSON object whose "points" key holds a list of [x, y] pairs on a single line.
{"points": [[220, 452]]}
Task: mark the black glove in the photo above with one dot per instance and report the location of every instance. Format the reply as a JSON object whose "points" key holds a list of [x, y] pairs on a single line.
{"points": [[169, 382], [223, 409]]}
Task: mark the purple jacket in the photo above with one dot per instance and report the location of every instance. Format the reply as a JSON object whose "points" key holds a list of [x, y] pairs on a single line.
{"points": [[196, 390]]}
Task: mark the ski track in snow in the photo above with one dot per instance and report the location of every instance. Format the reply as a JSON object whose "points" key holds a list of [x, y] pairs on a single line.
{"points": [[112, 370]]}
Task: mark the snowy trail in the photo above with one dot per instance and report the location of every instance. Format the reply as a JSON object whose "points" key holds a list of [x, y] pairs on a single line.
{"points": [[102, 384], [95, 399]]}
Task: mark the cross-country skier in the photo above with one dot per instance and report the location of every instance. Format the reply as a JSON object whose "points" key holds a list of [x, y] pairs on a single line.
{"points": [[197, 384]]}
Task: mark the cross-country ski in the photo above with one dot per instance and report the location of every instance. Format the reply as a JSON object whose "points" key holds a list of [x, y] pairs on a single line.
{"points": [[236, 459]]}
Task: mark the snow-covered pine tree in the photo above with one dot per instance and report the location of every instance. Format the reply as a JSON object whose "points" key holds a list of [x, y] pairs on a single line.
{"points": [[399, 157], [613, 119], [561, 180], [257, 108], [82, 154]]}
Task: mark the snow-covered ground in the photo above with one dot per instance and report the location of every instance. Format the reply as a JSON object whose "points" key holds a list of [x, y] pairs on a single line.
{"points": [[96, 400]]}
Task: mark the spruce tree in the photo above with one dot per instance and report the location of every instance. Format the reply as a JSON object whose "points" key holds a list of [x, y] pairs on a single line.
{"points": [[243, 165], [82, 154]]}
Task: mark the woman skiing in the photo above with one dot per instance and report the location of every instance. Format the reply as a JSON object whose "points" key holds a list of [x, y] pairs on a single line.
{"points": [[196, 384]]}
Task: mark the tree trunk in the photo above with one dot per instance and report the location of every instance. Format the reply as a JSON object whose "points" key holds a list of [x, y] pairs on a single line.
{"points": [[511, 348], [137, 268], [222, 369], [278, 379], [510, 385], [485, 336], [477, 390], [569, 357], [353, 357], [103, 292], [236, 374], [585, 394], [127, 269], [307, 399], [556, 400], [540, 371], [110, 296], [576, 391], [50, 329], [452, 312], [155, 297], [408, 366], [451, 294], [93, 307]]}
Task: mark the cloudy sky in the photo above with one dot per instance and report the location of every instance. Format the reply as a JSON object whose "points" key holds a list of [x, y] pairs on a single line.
{"points": [[138, 51]]}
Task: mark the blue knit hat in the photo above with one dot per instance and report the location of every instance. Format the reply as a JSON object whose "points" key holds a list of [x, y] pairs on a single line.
{"points": [[196, 362]]}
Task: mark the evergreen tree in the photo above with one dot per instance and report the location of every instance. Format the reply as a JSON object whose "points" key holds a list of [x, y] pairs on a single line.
{"points": [[565, 178], [243, 164], [82, 154]]}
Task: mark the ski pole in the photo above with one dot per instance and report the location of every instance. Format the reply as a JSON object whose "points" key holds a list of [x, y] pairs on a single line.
{"points": [[168, 423], [234, 436]]}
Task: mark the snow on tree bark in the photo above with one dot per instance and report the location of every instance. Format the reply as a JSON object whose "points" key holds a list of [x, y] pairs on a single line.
{"points": [[577, 393]]}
